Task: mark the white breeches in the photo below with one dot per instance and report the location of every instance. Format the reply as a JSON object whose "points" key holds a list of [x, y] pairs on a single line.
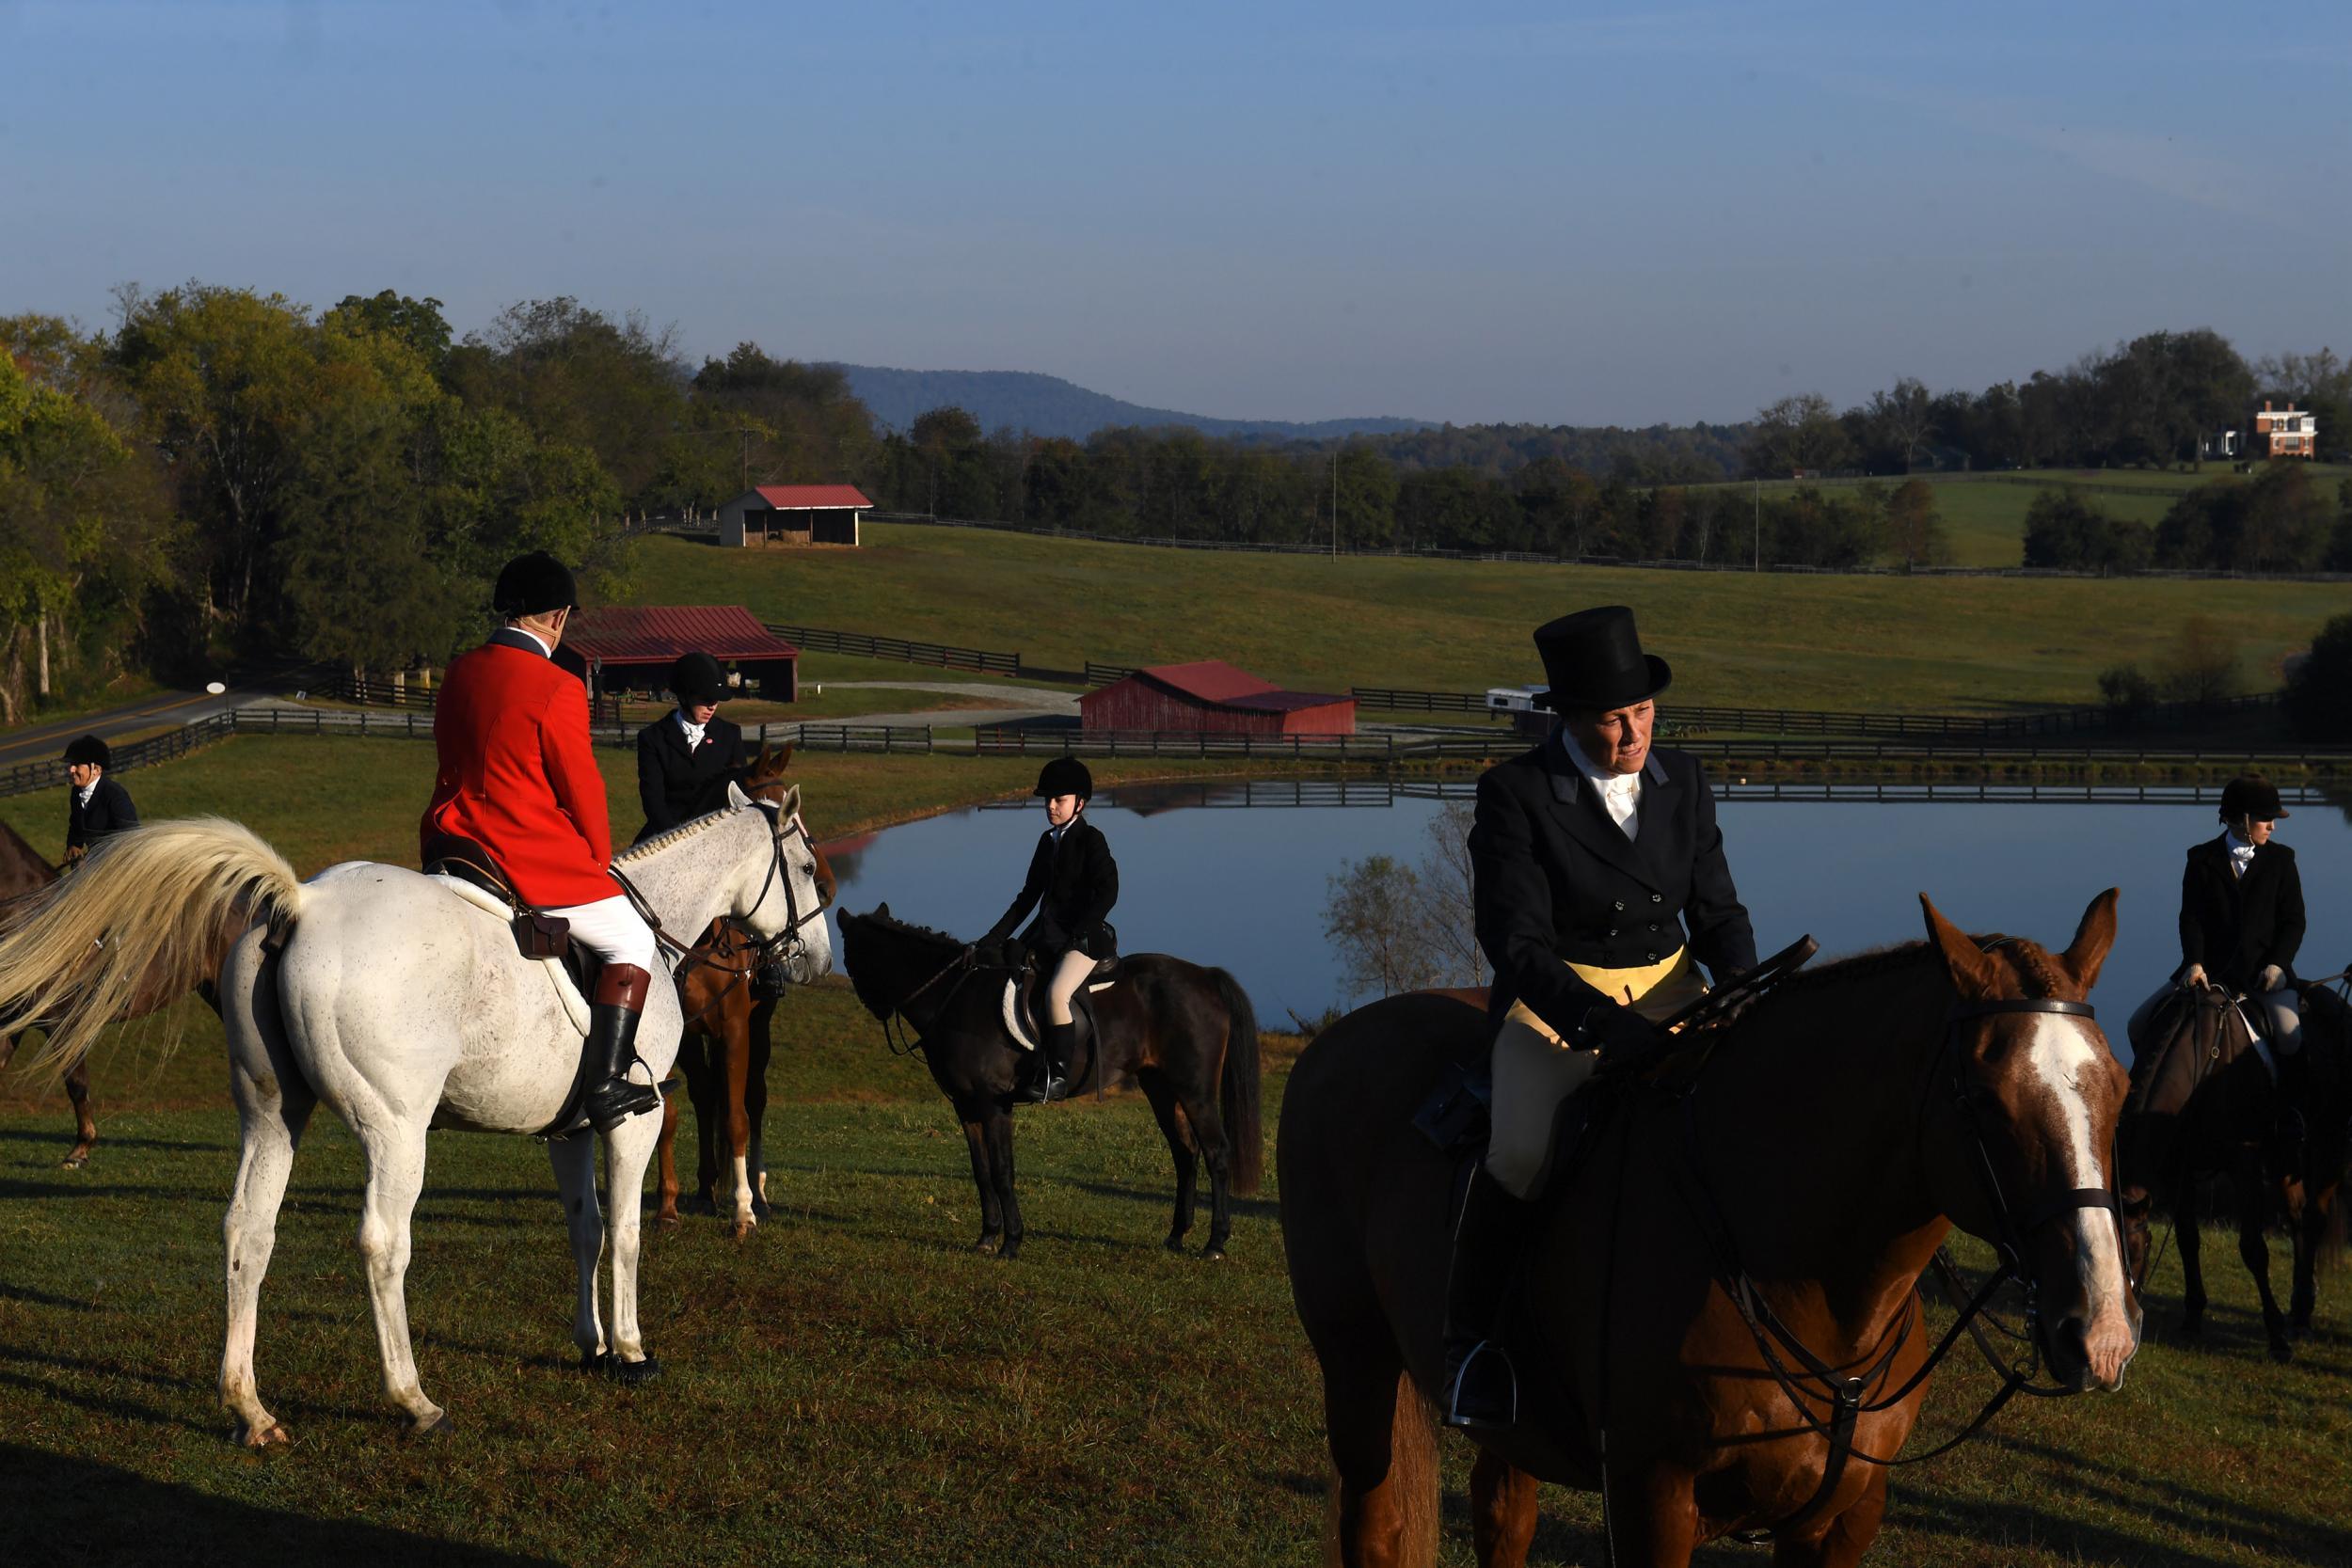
{"points": [[613, 930], [1536, 1071], [1063, 984]]}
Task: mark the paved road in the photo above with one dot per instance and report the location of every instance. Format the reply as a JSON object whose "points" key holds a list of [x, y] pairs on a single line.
{"points": [[47, 742]]}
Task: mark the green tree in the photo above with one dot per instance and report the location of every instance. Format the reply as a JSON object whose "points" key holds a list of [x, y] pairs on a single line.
{"points": [[1800, 433], [1915, 531], [2319, 691]]}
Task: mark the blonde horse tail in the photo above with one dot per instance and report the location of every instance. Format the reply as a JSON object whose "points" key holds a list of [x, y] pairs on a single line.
{"points": [[150, 915]]}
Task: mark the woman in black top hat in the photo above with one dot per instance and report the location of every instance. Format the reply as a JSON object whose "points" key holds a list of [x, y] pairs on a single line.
{"points": [[2241, 923], [96, 804], [1599, 886], [1073, 882], [686, 757]]}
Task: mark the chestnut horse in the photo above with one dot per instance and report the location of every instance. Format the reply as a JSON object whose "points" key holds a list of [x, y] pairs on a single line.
{"points": [[2201, 1101], [1728, 1286], [1185, 1033], [728, 986]]}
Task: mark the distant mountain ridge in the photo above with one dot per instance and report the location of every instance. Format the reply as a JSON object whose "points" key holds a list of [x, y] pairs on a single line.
{"points": [[1048, 405]]}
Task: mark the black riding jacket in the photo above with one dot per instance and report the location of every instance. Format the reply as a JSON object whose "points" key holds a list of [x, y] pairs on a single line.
{"points": [[109, 811], [1555, 880], [1072, 886], [677, 786], [2235, 926]]}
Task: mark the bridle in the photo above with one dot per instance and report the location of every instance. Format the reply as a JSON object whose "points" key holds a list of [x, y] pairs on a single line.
{"points": [[963, 965], [1849, 1396], [772, 952]]}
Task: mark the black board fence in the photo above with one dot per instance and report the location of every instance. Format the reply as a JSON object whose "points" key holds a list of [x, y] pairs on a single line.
{"points": [[944, 654], [1685, 717], [26, 778]]}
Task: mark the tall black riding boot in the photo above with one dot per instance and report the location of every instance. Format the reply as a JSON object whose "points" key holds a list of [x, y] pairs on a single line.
{"points": [[612, 1015], [1052, 1080], [1482, 1387]]}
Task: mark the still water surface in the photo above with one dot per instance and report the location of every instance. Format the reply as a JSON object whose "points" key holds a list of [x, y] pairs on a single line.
{"points": [[1225, 875]]}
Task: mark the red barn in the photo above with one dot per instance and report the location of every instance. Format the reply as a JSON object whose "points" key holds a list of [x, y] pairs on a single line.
{"points": [[1212, 695], [630, 648]]}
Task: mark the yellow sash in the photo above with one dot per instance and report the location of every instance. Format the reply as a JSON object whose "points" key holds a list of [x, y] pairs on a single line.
{"points": [[1659, 991]]}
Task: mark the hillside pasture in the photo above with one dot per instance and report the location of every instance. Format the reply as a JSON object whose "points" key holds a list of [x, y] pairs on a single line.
{"points": [[1921, 644]]}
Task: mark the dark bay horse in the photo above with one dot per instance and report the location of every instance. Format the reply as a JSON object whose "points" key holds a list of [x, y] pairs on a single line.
{"points": [[1185, 1033], [2202, 1103], [22, 872], [1840, 1128], [729, 1006]]}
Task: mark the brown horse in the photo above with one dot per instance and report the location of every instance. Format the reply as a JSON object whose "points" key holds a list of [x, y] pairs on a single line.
{"points": [[2201, 1102], [1810, 1172], [22, 872], [724, 1053]]}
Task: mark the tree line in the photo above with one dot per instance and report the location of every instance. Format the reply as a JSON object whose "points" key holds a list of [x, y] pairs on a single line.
{"points": [[2281, 521]]}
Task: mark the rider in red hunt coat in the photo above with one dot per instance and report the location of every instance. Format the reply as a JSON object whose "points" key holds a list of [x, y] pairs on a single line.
{"points": [[517, 777]]}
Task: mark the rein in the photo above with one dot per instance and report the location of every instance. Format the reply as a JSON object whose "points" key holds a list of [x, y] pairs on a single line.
{"points": [[1849, 1396], [786, 946], [963, 965]]}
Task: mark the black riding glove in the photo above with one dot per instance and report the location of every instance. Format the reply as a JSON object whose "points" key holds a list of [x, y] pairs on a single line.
{"points": [[1620, 1034]]}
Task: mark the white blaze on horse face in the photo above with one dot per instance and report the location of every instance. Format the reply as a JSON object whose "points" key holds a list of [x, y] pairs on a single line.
{"points": [[2064, 1059]]}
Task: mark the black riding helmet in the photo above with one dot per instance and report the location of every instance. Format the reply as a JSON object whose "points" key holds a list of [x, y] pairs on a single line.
{"points": [[696, 678], [2250, 795], [1064, 776], [89, 750], [535, 584]]}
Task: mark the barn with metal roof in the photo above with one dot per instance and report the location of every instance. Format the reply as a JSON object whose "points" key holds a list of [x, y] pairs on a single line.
{"points": [[631, 648], [1212, 695], [793, 514]]}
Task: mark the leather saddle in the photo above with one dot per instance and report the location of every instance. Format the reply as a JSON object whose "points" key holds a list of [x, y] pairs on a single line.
{"points": [[537, 934], [1030, 994]]}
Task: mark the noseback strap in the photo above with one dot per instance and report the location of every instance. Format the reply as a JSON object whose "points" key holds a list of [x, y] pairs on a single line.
{"points": [[2023, 1005]]}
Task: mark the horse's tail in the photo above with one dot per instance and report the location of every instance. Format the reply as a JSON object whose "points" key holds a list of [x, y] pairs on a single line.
{"points": [[1413, 1482], [148, 915], [1237, 1088]]}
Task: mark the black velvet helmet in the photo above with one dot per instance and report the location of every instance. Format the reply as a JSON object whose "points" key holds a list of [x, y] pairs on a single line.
{"points": [[1064, 776], [696, 678], [535, 584], [91, 750], [2250, 795]]}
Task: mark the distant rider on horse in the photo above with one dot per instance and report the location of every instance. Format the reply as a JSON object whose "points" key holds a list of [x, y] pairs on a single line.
{"points": [[98, 805], [1073, 882], [686, 758], [517, 777], [2241, 925], [1591, 857]]}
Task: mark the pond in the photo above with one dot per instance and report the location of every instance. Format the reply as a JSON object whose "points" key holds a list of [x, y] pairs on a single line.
{"points": [[1237, 875]]}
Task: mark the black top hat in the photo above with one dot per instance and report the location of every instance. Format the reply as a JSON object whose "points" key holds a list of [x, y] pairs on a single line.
{"points": [[2250, 795], [1595, 662], [695, 678], [91, 750], [533, 585]]}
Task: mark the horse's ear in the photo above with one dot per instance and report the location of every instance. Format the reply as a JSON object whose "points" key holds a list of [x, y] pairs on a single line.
{"points": [[784, 758], [791, 807], [2092, 939], [882, 912], [1973, 973], [737, 800]]}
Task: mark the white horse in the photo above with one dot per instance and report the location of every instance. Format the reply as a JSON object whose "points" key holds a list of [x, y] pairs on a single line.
{"points": [[402, 1006]]}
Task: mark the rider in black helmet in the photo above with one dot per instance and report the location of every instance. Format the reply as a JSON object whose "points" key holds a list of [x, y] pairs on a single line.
{"points": [[1073, 883], [2241, 925], [98, 805]]}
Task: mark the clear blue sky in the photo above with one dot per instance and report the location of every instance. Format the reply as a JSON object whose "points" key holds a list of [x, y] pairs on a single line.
{"points": [[1581, 213]]}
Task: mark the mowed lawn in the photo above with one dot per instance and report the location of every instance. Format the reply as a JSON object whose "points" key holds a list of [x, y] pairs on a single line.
{"points": [[852, 1384], [1881, 643]]}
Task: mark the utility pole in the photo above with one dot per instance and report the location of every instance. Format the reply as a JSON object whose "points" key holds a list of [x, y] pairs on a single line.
{"points": [[1757, 564]]}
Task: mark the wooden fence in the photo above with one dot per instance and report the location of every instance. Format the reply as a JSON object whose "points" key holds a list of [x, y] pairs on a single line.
{"points": [[27, 777], [1683, 718], [945, 655]]}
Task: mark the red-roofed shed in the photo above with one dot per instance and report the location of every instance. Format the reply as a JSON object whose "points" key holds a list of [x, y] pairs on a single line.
{"points": [[793, 514], [631, 648], [1212, 695]]}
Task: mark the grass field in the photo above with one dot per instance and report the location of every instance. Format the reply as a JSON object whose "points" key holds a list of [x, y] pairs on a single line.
{"points": [[851, 1385], [1913, 645]]}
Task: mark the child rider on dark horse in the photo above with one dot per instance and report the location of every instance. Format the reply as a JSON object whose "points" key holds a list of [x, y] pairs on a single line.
{"points": [[1073, 883], [1591, 857]]}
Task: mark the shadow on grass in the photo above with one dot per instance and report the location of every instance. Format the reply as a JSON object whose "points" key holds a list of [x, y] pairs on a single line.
{"points": [[109, 1140], [96, 1513], [2187, 1509], [1166, 1198]]}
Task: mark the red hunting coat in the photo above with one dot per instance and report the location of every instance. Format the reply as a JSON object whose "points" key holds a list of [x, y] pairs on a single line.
{"points": [[517, 775]]}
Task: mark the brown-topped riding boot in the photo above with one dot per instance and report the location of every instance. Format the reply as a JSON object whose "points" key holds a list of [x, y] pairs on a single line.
{"points": [[612, 1015]]}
